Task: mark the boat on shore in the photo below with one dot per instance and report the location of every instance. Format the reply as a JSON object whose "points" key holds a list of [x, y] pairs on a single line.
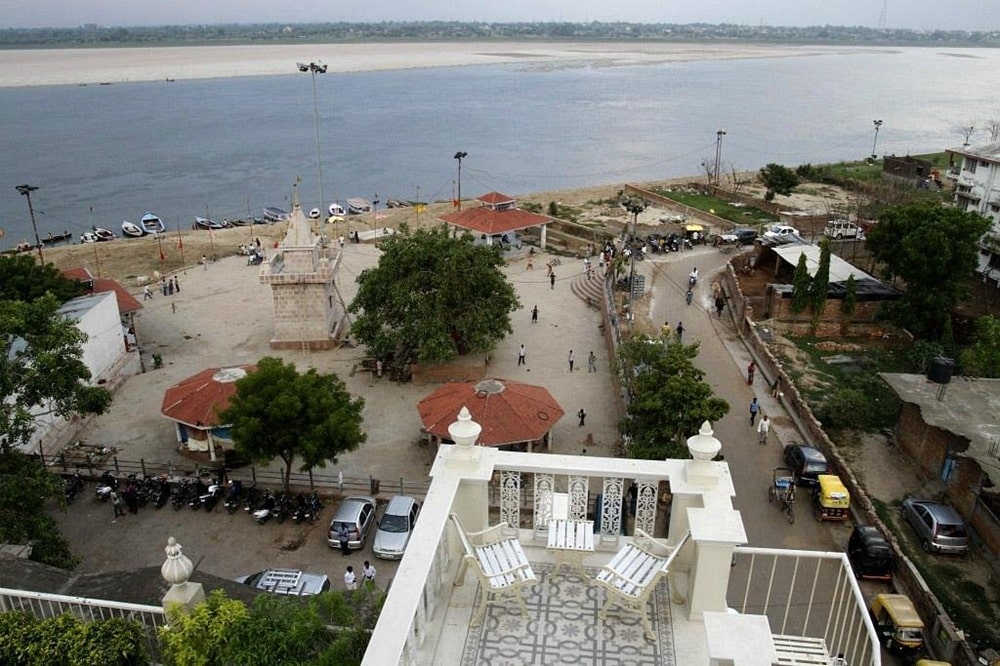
{"points": [[131, 229], [206, 224], [273, 214], [151, 224], [336, 210], [98, 235], [357, 206], [314, 214], [51, 238]]}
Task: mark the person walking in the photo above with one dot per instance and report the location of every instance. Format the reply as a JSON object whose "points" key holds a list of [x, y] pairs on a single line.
{"points": [[341, 239], [345, 540], [688, 296], [552, 280], [582, 415], [571, 359], [680, 331], [204, 261], [350, 579], [177, 285], [521, 356], [147, 293], [116, 504], [751, 369], [534, 315], [763, 428], [720, 303], [754, 409], [776, 387], [591, 363], [368, 571]]}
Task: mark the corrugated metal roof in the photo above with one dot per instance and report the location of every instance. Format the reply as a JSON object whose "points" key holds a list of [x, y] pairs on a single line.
{"points": [[840, 270]]}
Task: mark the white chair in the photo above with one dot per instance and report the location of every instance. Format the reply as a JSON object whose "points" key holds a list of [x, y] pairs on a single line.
{"points": [[499, 562], [632, 575]]}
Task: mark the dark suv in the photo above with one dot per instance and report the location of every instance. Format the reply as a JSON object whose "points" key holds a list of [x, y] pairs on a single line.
{"points": [[806, 462]]}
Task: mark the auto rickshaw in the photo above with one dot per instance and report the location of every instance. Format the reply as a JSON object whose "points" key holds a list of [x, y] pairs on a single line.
{"points": [[870, 554], [694, 233], [830, 498], [897, 623]]}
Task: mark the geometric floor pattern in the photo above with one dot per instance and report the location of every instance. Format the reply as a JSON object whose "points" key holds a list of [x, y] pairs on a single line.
{"points": [[563, 627]]}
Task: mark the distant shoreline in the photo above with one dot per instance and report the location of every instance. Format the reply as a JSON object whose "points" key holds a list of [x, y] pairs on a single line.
{"points": [[97, 66]]}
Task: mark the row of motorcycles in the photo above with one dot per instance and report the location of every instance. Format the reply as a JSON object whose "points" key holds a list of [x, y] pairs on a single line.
{"points": [[261, 505]]}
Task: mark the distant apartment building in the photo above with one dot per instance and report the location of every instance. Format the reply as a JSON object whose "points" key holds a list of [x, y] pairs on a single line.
{"points": [[977, 188]]}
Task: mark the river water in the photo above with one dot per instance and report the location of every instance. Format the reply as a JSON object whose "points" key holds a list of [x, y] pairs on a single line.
{"points": [[229, 147]]}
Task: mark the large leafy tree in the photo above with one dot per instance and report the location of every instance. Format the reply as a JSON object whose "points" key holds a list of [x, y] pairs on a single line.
{"points": [[41, 368], [982, 359], [433, 297], [277, 411], [25, 487], [670, 399], [778, 179], [21, 279], [933, 250]]}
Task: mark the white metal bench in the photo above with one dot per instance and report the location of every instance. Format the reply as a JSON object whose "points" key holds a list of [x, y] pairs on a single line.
{"points": [[499, 562], [632, 575]]}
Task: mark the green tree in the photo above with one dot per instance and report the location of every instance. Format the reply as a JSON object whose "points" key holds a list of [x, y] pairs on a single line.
{"points": [[819, 286], [982, 359], [670, 399], [25, 487], [850, 302], [21, 279], [778, 179], [801, 283], [276, 411], [933, 250], [26, 639], [203, 636], [41, 369], [432, 298]]}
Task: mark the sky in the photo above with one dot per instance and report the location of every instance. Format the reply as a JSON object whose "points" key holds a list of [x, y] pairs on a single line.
{"points": [[915, 14]]}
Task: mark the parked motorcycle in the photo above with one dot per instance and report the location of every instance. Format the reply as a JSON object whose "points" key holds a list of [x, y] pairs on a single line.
{"points": [[161, 492], [107, 484], [266, 510], [72, 486], [234, 496]]}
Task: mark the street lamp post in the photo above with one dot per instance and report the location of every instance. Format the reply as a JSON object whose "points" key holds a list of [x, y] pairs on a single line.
{"points": [[26, 190], [718, 153], [634, 207], [878, 126], [460, 155], [315, 68]]}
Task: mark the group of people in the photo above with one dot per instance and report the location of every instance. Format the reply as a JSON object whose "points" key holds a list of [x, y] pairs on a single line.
{"points": [[351, 578], [168, 286]]}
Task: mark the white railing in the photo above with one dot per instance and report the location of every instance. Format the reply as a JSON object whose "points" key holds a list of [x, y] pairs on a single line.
{"points": [[806, 593], [44, 605]]}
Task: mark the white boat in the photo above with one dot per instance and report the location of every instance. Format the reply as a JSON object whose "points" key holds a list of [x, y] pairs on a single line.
{"points": [[314, 214], [205, 223], [273, 214], [151, 224], [357, 205], [336, 210], [98, 235], [131, 229]]}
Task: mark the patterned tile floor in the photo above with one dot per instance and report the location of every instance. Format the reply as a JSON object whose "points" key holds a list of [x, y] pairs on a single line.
{"points": [[563, 628]]}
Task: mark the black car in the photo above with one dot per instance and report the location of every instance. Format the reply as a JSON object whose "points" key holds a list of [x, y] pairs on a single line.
{"points": [[806, 462], [744, 236], [870, 554]]}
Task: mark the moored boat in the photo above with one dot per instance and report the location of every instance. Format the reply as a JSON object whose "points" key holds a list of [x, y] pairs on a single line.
{"points": [[151, 224], [98, 235], [131, 229], [51, 238], [314, 214], [357, 205], [336, 210], [274, 214], [205, 223]]}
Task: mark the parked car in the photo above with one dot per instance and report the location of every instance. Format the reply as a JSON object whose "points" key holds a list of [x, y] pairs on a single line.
{"points": [[395, 527], [357, 514], [744, 236], [841, 229], [287, 581], [870, 554], [781, 232], [806, 462], [938, 526]]}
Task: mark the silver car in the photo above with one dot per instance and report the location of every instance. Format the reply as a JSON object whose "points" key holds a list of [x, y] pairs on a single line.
{"points": [[939, 526], [287, 581], [395, 528]]}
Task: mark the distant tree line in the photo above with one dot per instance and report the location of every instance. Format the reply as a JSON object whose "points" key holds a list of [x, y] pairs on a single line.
{"points": [[234, 33]]}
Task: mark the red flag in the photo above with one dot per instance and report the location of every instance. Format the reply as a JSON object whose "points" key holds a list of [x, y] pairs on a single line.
{"points": [[180, 242], [454, 203], [163, 257]]}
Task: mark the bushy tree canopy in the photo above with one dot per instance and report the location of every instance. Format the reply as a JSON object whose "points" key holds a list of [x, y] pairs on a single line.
{"points": [[670, 399], [933, 249], [433, 297], [41, 367], [22, 279], [801, 285], [276, 411], [25, 488], [778, 179], [982, 359], [64, 639]]}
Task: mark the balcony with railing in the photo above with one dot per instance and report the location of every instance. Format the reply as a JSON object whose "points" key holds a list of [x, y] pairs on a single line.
{"points": [[718, 603]]}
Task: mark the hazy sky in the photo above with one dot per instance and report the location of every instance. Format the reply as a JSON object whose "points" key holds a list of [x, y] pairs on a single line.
{"points": [[919, 14]]}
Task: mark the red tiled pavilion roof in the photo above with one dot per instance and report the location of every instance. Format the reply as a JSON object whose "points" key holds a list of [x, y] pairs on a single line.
{"points": [[126, 302], [488, 221], [495, 198], [196, 401], [510, 412]]}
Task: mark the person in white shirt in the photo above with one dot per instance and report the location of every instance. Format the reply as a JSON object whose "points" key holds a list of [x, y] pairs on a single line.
{"points": [[763, 428], [369, 573], [350, 580]]}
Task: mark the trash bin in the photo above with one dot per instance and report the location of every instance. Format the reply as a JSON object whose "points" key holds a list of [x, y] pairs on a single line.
{"points": [[374, 486]]}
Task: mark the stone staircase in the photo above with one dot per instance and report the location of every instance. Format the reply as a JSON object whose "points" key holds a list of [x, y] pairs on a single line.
{"points": [[589, 291]]}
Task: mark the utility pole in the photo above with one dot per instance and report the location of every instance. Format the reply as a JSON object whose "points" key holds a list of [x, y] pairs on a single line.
{"points": [[26, 190], [878, 126], [718, 153], [315, 68], [460, 155]]}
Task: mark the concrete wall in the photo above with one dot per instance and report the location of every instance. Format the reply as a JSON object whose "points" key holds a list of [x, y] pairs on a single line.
{"points": [[105, 337]]}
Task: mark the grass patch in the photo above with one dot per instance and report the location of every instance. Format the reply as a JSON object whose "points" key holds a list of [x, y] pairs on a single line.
{"points": [[739, 215]]}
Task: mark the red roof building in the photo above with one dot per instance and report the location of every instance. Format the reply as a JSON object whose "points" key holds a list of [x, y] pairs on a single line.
{"points": [[194, 405], [497, 214], [510, 412], [127, 303]]}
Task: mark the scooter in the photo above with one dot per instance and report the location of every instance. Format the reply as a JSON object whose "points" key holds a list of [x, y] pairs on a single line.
{"points": [[263, 514], [233, 497], [73, 486], [107, 484]]}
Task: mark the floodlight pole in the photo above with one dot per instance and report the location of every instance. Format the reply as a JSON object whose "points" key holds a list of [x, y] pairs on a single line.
{"points": [[460, 155], [718, 153], [315, 68], [26, 190], [878, 126]]}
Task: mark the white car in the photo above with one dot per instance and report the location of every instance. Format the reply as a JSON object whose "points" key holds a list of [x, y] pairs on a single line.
{"points": [[781, 232]]}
